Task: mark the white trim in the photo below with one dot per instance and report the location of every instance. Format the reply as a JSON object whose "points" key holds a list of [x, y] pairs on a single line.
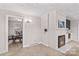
{"points": [[6, 28], [29, 45], [24, 46], [78, 31], [3, 51], [44, 44]]}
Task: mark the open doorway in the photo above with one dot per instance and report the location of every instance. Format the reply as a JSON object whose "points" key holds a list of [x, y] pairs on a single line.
{"points": [[15, 33]]}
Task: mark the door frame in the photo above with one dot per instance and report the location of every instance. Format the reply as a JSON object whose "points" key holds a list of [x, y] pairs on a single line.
{"points": [[6, 27]]}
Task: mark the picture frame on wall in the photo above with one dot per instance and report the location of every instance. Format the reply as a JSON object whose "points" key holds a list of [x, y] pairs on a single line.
{"points": [[61, 24]]}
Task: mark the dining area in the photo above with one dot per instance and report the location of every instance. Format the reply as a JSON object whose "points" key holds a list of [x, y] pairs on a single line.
{"points": [[15, 32], [18, 36]]}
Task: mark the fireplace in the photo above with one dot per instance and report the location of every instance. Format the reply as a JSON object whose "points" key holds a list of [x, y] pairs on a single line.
{"points": [[61, 41], [69, 35]]}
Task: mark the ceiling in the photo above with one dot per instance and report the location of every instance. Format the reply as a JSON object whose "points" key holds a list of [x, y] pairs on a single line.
{"points": [[37, 9]]}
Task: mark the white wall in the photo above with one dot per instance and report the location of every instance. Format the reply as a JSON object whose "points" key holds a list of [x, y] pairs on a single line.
{"points": [[74, 29], [31, 31], [52, 30], [3, 47], [50, 21], [78, 31], [44, 25]]}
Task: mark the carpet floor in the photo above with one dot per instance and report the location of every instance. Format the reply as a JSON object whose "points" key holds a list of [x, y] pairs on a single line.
{"points": [[40, 50]]}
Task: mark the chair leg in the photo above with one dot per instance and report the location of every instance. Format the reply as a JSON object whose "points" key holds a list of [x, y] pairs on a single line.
{"points": [[13, 40], [20, 41]]}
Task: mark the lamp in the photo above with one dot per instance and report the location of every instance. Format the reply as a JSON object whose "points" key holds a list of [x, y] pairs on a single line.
{"points": [[28, 20]]}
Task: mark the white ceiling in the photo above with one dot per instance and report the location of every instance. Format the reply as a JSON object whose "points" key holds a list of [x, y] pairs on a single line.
{"points": [[37, 9]]}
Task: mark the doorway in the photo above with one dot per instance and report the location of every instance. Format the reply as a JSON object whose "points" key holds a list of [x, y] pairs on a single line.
{"points": [[15, 33]]}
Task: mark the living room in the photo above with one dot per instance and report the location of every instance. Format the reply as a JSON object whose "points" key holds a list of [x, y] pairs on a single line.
{"points": [[52, 28]]}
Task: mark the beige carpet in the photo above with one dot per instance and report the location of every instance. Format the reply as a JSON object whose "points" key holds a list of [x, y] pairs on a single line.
{"points": [[40, 50], [36, 50], [74, 51]]}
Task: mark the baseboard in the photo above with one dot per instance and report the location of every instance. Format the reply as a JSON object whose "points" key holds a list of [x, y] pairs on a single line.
{"points": [[35, 44], [29, 45], [3, 51], [24, 46], [44, 44], [75, 40]]}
